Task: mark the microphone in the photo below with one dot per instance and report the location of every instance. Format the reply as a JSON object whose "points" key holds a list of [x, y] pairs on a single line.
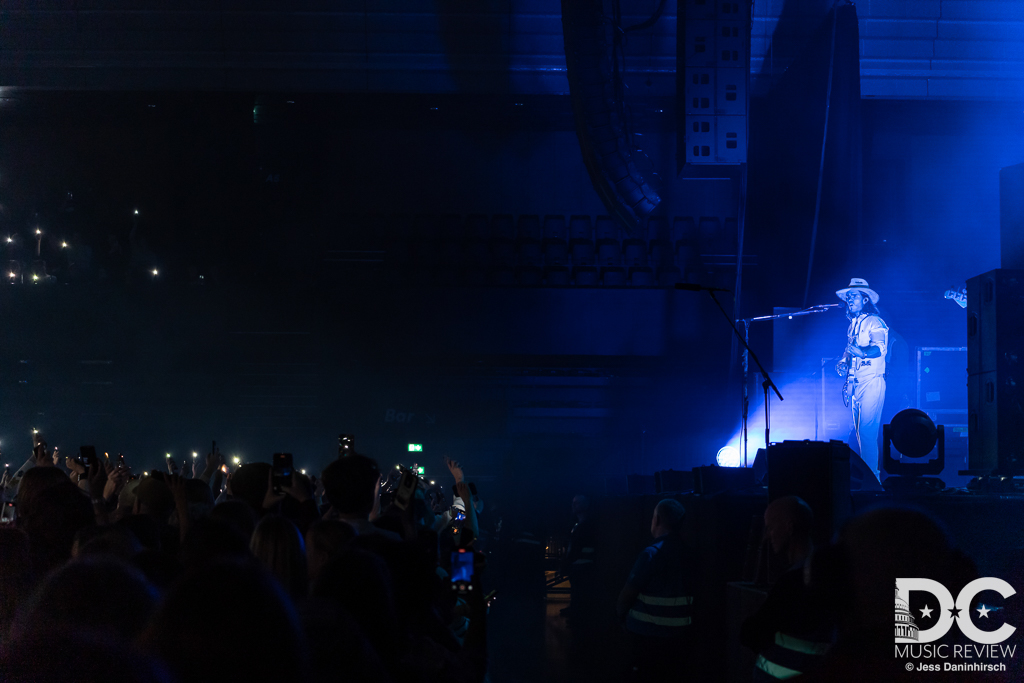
{"points": [[699, 288], [828, 306]]}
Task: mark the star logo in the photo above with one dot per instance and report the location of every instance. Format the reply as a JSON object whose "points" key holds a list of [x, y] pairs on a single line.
{"points": [[983, 611], [926, 612], [955, 611]]}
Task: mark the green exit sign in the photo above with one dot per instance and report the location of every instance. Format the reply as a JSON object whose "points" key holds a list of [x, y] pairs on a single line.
{"points": [[415, 447]]}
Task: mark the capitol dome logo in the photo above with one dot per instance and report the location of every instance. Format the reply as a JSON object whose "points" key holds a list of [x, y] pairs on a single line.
{"points": [[906, 627]]}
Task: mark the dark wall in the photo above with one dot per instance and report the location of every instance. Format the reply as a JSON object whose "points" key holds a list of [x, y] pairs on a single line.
{"points": [[256, 334]]}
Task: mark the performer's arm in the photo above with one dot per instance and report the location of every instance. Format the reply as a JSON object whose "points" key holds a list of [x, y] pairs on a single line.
{"points": [[871, 351], [877, 336]]}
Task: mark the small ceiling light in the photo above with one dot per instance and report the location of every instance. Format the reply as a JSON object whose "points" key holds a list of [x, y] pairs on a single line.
{"points": [[237, 460], [9, 239], [194, 454], [155, 272], [35, 277], [136, 212], [38, 231], [63, 245]]}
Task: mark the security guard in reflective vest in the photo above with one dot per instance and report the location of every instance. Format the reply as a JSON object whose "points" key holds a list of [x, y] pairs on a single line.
{"points": [[792, 630], [657, 600]]}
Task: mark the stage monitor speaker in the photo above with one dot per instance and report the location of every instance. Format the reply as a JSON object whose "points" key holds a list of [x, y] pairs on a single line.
{"points": [[709, 479], [672, 481], [862, 478], [818, 472], [1011, 216], [995, 377]]}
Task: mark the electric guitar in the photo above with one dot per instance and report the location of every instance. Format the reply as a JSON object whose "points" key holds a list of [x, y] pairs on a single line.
{"points": [[844, 368], [957, 294]]}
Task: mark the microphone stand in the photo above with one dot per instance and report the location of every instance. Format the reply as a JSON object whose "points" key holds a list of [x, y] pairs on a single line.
{"points": [[745, 407], [766, 384]]}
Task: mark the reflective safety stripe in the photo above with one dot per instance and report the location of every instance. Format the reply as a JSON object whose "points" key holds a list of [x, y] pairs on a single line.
{"points": [[775, 670], [665, 602], [800, 645], [659, 621]]}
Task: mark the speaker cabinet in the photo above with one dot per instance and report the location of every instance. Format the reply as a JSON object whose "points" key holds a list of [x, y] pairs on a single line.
{"points": [[995, 381], [1011, 216], [709, 479], [818, 472], [670, 481], [640, 484]]}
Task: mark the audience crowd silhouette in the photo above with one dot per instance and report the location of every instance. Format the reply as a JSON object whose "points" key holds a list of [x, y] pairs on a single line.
{"points": [[108, 576]]}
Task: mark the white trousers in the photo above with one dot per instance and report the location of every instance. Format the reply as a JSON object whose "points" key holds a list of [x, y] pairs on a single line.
{"points": [[867, 401]]}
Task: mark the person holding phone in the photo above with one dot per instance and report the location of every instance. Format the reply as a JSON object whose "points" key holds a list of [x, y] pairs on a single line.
{"points": [[468, 529]]}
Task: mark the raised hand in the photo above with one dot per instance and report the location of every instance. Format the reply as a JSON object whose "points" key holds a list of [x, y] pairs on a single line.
{"points": [[270, 499], [300, 487], [214, 461], [75, 466], [43, 459], [97, 478], [455, 468], [116, 479]]}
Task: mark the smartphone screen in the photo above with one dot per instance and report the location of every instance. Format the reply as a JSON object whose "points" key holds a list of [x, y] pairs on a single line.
{"points": [[346, 445], [406, 489], [282, 471], [462, 570], [87, 456]]}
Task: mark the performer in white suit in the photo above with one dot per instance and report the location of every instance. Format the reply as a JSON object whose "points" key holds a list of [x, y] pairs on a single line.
{"points": [[864, 364]]}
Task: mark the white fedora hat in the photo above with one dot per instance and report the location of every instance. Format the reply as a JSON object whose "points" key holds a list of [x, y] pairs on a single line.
{"points": [[861, 286]]}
